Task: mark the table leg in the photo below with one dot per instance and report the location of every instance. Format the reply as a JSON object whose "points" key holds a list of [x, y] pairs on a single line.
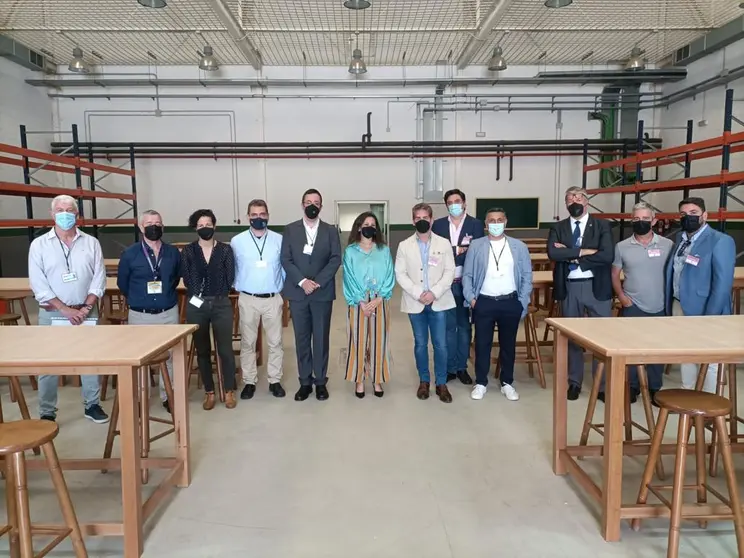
{"points": [[131, 480], [613, 449], [181, 411], [560, 387]]}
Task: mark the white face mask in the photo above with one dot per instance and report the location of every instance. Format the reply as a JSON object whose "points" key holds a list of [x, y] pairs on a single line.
{"points": [[496, 229]]}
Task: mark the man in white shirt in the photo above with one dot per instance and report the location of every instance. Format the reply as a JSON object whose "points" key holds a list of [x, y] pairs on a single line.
{"points": [[68, 277]]}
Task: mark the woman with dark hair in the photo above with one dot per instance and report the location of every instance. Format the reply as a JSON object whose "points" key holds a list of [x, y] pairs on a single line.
{"points": [[208, 269], [369, 278]]}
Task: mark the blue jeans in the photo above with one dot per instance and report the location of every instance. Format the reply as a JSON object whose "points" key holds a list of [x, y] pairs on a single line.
{"points": [[90, 384], [436, 323], [458, 332]]}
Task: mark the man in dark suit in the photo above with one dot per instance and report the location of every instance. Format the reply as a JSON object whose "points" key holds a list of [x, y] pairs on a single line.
{"points": [[311, 256], [582, 249], [699, 277], [460, 229]]}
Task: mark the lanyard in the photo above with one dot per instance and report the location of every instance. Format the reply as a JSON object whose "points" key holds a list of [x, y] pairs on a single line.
{"points": [[66, 253], [311, 239], [494, 253], [263, 245], [154, 268]]}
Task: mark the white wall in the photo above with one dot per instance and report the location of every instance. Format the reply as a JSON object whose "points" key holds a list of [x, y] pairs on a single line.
{"points": [[22, 104]]}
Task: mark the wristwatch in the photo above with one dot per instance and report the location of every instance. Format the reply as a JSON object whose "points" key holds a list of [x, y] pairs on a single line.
{"points": [[88, 307]]}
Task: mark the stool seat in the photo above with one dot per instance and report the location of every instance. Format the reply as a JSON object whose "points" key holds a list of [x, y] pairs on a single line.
{"points": [[21, 435], [159, 359], [9, 319], [693, 403]]}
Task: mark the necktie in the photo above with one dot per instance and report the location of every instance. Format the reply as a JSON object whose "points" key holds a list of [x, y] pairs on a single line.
{"points": [[576, 243]]}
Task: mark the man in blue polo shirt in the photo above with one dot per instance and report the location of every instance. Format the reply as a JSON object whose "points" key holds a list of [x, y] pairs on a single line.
{"points": [[149, 272]]}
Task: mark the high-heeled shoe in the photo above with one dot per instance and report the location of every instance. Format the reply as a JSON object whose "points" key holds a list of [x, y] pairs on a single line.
{"points": [[379, 393], [360, 394]]}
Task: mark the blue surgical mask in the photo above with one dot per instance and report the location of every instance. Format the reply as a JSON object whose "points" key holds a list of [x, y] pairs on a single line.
{"points": [[455, 209], [64, 220], [496, 229]]}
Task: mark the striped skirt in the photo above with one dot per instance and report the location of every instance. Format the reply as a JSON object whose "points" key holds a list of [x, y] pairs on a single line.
{"points": [[367, 347]]}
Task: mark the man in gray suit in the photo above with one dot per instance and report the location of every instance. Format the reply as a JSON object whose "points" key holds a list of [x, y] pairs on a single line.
{"points": [[311, 256]]}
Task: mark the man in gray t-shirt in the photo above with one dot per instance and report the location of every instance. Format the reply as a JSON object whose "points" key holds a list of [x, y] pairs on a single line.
{"points": [[642, 260]]}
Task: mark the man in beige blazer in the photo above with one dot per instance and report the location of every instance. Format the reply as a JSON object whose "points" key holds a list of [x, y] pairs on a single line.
{"points": [[425, 269]]}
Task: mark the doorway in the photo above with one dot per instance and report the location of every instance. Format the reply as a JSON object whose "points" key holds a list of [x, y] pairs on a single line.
{"points": [[347, 211]]}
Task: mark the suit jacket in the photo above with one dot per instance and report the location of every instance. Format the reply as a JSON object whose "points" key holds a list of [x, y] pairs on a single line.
{"points": [[320, 266], [476, 265], [472, 228], [705, 288], [409, 272], [597, 235]]}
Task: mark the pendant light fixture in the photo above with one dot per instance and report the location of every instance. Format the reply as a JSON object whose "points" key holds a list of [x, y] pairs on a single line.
{"points": [[636, 62], [208, 62], [356, 4], [497, 63], [77, 64], [557, 3], [357, 65], [157, 4]]}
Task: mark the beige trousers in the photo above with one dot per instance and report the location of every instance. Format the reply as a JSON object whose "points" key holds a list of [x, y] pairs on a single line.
{"points": [[255, 310], [689, 372]]}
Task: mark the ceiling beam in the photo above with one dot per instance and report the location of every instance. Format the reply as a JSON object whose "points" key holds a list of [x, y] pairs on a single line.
{"points": [[227, 19], [484, 31]]}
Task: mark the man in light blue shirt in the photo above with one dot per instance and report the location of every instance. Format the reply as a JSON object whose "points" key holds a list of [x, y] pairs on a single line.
{"points": [[259, 278]]}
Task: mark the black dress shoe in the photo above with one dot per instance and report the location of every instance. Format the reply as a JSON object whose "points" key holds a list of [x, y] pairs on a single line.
{"points": [[277, 390], [303, 393], [652, 393], [465, 377], [359, 394], [633, 395], [573, 392], [321, 393], [451, 376], [379, 393], [248, 391], [166, 406]]}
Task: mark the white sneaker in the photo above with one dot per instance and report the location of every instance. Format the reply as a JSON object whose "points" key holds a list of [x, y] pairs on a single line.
{"points": [[478, 392], [509, 392]]}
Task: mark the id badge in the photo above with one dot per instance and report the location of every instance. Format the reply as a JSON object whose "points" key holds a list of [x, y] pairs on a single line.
{"points": [[308, 249], [433, 261], [196, 301], [261, 264], [692, 260], [69, 277], [654, 253], [466, 240], [154, 287]]}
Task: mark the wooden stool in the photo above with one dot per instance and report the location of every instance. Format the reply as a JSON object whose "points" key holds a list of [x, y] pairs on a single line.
{"points": [[697, 406], [21, 301], [9, 319], [15, 438], [531, 356], [20, 399], [628, 421], [144, 412]]}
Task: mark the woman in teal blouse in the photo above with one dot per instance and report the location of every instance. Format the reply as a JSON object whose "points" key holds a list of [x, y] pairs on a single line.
{"points": [[369, 278]]}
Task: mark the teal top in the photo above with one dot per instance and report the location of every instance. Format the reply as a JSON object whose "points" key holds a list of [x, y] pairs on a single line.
{"points": [[367, 273]]}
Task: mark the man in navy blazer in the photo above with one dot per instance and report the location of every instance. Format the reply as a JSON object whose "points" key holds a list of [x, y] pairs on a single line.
{"points": [[699, 277], [460, 229]]}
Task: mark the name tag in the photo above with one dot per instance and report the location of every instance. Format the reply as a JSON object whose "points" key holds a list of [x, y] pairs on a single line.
{"points": [[308, 249], [692, 260], [154, 287], [261, 263], [196, 301], [69, 277], [466, 240], [433, 261], [654, 253]]}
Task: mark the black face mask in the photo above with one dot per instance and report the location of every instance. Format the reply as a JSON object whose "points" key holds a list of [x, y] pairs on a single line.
{"points": [[312, 211], [690, 223], [368, 232], [641, 228], [259, 224], [153, 232], [205, 233], [422, 226], [575, 210]]}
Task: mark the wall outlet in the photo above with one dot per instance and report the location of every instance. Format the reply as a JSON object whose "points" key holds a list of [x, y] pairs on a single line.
{"points": [[480, 134]]}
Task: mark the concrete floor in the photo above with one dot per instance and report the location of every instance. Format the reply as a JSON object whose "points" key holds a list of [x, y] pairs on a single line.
{"points": [[392, 477]]}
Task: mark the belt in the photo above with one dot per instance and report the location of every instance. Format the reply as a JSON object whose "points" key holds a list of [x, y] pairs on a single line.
{"points": [[500, 297], [457, 280], [580, 280], [150, 310], [50, 308], [263, 295]]}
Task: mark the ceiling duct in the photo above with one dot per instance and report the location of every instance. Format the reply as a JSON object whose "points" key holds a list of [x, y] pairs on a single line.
{"points": [[226, 17], [618, 76], [710, 42], [23, 56]]}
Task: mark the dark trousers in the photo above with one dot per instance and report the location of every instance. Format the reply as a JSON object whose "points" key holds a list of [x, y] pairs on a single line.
{"points": [[217, 312], [580, 302], [505, 314], [312, 329], [459, 332]]}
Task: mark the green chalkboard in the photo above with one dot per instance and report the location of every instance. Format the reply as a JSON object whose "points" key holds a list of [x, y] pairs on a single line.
{"points": [[522, 213]]}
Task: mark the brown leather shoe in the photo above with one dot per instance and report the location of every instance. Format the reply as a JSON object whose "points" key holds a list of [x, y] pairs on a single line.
{"points": [[423, 391], [208, 404], [444, 394], [230, 401]]}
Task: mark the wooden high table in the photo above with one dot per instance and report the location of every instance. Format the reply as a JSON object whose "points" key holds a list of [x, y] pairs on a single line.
{"points": [[621, 342], [119, 351]]}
